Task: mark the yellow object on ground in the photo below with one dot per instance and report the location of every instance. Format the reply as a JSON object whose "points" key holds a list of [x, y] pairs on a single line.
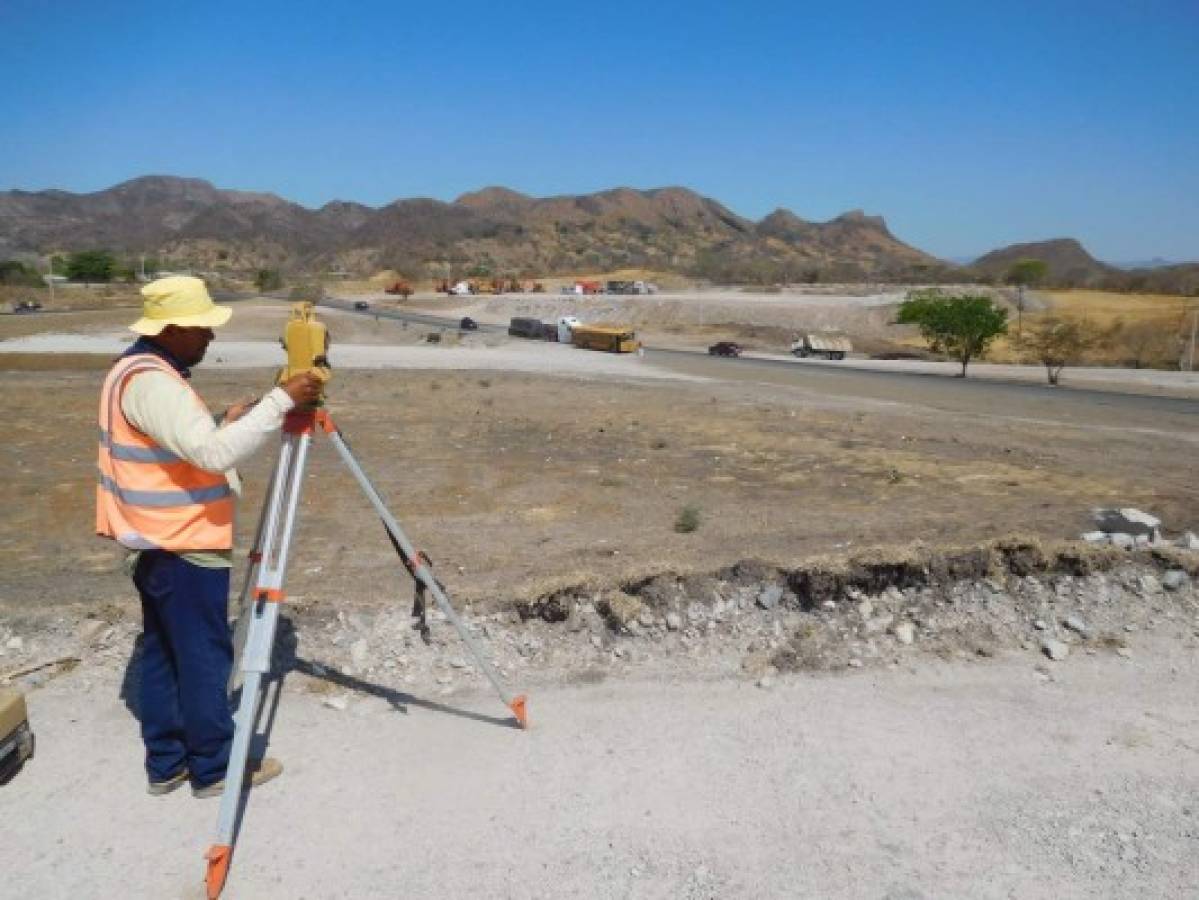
{"points": [[16, 739], [613, 338]]}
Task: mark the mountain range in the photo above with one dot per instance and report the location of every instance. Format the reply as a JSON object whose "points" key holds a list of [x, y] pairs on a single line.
{"points": [[497, 230], [667, 229]]}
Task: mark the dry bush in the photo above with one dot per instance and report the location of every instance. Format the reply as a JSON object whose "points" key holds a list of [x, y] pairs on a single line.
{"points": [[1147, 345]]}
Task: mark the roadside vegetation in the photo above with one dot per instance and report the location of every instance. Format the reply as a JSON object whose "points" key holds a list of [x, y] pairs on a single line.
{"points": [[962, 326]]}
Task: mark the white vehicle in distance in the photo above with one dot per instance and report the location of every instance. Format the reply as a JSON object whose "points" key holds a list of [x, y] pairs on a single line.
{"points": [[566, 325], [829, 344]]}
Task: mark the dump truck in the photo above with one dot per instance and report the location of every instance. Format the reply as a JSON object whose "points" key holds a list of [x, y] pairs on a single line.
{"points": [[401, 287], [524, 327], [829, 344], [612, 338], [630, 287]]}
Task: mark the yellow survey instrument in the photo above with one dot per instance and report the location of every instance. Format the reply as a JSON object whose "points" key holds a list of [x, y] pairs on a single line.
{"points": [[307, 344]]}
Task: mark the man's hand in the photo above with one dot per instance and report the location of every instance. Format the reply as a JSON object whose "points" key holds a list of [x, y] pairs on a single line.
{"points": [[304, 389], [238, 409]]}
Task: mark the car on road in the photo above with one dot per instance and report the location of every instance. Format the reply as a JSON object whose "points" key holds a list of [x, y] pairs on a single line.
{"points": [[26, 306], [468, 324], [724, 348], [361, 304]]}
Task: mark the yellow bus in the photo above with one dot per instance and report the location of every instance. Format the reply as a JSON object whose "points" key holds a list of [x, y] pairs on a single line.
{"points": [[613, 338]]}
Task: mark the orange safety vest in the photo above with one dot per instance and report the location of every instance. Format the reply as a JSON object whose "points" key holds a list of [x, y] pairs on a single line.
{"points": [[148, 498]]}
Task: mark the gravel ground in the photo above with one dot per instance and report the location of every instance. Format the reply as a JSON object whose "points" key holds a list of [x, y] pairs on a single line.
{"points": [[933, 780], [754, 731]]}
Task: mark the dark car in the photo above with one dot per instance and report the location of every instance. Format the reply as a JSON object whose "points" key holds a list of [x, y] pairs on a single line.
{"points": [[361, 304], [468, 324], [725, 348]]}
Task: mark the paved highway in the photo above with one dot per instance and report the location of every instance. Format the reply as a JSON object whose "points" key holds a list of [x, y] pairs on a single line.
{"points": [[1115, 409]]}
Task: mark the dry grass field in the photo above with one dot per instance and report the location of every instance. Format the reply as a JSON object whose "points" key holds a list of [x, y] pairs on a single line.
{"points": [[517, 483], [1104, 308]]}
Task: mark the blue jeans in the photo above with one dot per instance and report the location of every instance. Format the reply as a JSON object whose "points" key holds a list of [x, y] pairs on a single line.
{"points": [[187, 653]]}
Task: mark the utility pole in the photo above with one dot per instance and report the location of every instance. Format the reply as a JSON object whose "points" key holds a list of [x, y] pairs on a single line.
{"points": [[1194, 328], [1020, 314]]}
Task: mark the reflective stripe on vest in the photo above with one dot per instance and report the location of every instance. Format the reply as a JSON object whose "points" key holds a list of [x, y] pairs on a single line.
{"points": [[129, 453], [162, 499]]}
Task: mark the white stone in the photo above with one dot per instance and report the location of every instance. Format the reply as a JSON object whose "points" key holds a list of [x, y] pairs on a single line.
{"points": [[1095, 537], [905, 632], [1149, 584], [1078, 626], [1175, 580], [1055, 649], [341, 702], [1126, 520]]}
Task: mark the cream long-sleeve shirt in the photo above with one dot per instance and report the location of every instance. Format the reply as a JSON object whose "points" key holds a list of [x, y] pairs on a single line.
{"points": [[159, 406]]}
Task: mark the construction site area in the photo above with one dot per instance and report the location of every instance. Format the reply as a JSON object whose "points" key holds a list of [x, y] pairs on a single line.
{"points": [[787, 626]]}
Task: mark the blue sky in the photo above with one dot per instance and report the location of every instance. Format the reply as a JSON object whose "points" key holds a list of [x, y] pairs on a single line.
{"points": [[967, 125]]}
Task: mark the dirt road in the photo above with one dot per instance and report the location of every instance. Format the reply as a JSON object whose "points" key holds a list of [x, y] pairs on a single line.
{"points": [[940, 780]]}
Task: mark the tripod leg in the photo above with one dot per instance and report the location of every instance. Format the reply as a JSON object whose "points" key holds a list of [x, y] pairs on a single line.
{"points": [[424, 576], [253, 563], [262, 620]]}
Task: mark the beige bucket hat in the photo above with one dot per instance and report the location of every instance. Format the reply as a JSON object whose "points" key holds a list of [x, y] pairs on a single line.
{"points": [[178, 300]]}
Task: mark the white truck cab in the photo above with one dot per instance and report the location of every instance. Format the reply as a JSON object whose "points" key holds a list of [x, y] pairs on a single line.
{"points": [[566, 325]]}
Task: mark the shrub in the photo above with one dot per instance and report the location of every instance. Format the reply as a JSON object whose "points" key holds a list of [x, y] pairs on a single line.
{"points": [[688, 520]]}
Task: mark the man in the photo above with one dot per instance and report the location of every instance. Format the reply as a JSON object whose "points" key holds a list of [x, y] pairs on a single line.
{"points": [[166, 492]]}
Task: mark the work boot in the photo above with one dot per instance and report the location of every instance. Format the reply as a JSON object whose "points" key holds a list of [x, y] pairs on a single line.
{"points": [[260, 771], [159, 788]]}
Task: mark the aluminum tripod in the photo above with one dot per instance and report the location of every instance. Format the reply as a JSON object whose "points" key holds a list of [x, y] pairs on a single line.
{"points": [[263, 593]]}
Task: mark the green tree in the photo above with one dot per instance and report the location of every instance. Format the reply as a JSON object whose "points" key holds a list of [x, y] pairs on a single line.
{"points": [[91, 266], [268, 280], [960, 325], [13, 271], [1024, 273]]}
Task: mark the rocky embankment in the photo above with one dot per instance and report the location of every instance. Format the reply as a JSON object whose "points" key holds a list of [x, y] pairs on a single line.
{"points": [[752, 620]]}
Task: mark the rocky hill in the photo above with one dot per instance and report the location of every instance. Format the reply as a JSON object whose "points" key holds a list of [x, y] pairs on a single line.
{"points": [[1067, 259], [667, 229]]}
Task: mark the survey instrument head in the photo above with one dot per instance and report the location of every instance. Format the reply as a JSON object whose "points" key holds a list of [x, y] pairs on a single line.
{"points": [[307, 344]]}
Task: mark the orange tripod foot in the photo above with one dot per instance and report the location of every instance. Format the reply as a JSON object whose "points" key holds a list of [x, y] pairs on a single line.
{"points": [[218, 857], [518, 709]]}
